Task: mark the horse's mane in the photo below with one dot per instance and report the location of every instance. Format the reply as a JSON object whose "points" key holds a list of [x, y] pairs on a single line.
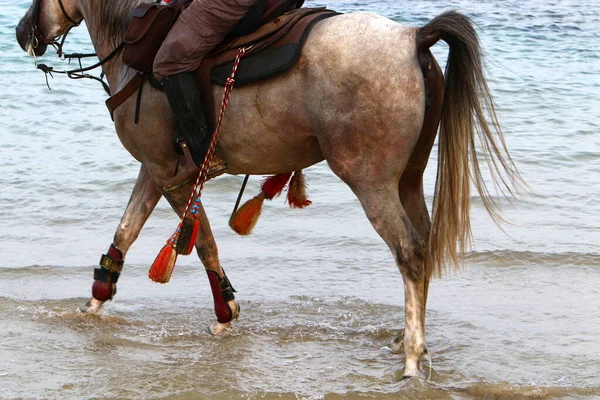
{"points": [[112, 17]]}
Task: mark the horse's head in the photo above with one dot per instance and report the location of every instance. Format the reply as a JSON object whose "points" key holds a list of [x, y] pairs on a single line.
{"points": [[45, 22]]}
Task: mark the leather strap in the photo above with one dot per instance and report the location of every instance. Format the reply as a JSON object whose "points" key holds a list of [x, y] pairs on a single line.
{"points": [[226, 289], [112, 260], [111, 265], [191, 166], [122, 95], [104, 275]]}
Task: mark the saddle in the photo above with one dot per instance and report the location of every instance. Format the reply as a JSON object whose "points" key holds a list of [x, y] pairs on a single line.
{"points": [[273, 48]]}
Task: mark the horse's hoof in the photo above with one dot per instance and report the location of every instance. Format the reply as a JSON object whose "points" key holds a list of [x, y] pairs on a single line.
{"points": [[397, 345], [418, 374], [93, 306], [219, 329], [222, 328], [413, 367]]}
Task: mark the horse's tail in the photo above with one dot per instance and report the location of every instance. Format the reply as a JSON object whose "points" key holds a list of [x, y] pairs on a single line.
{"points": [[463, 122]]}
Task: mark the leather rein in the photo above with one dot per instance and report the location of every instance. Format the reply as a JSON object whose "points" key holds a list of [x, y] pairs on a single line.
{"points": [[36, 37]]}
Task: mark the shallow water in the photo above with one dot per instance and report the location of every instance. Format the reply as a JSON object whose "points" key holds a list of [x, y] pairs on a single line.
{"points": [[321, 297]]}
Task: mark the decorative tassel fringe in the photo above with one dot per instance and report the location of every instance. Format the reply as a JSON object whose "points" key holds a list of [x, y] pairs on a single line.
{"points": [[163, 265], [188, 235], [244, 219], [195, 233], [296, 195], [273, 185]]}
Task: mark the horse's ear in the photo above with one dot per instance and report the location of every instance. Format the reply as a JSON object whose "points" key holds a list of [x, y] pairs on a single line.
{"points": [[244, 219]]}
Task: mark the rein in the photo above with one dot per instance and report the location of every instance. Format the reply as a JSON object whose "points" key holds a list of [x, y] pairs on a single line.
{"points": [[36, 37], [78, 73]]}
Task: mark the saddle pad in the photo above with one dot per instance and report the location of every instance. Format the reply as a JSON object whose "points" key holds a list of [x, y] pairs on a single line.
{"points": [[273, 59]]}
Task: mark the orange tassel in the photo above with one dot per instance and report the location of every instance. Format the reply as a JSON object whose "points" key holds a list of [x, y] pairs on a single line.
{"points": [[245, 218], [187, 235], [163, 265], [296, 196]]}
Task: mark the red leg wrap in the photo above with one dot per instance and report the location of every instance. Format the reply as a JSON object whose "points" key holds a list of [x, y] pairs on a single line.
{"points": [[114, 253], [105, 277], [218, 286], [102, 290]]}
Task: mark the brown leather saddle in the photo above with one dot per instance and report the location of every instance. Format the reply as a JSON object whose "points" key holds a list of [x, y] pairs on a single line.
{"points": [[273, 48]]}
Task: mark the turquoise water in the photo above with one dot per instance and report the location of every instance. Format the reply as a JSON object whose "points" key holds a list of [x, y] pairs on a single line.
{"points": [[321, 297]]}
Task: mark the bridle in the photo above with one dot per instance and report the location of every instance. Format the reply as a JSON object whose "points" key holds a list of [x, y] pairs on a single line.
{"points": [[36, 36]]}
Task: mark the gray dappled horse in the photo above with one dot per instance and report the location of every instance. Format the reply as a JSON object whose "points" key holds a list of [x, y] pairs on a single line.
{"points": [[366, 95]]}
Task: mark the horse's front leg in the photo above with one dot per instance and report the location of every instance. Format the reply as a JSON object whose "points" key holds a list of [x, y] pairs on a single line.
{"points": [[143, 199], [226, 306]]}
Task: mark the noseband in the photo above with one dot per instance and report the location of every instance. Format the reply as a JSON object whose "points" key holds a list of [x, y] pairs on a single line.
{"points": [[36, 36]]}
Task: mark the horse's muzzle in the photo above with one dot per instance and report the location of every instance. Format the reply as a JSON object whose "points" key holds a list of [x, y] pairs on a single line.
{"points": [[27, 41]]}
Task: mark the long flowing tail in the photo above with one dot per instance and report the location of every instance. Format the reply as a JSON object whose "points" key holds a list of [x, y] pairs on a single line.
{"points": [[468, 116]]}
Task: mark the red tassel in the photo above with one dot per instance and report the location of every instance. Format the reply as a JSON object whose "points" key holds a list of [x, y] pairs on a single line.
{"points": [[187, 235], [163, 265], [296, 196], [245, 218], [195, 232], [273, 185]]}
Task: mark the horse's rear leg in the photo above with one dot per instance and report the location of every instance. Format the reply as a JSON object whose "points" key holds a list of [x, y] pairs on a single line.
{"points": [[392, 223], [143, 199], [377, 189], [413, 201], [410, 187], [371, 158], [226, 307]]}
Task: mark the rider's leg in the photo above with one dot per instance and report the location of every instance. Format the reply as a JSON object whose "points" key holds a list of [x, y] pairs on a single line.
{"points": [[203, 25]]}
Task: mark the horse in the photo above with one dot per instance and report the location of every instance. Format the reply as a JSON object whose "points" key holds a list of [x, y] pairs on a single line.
{"points": [[366, 95]]}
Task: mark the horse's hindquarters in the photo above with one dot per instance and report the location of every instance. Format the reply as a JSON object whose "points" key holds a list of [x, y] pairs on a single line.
{"points": [[358, 75], [366, 93]]}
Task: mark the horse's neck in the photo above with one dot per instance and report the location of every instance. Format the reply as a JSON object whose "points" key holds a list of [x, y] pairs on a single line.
{"points": [[106, 21]]}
